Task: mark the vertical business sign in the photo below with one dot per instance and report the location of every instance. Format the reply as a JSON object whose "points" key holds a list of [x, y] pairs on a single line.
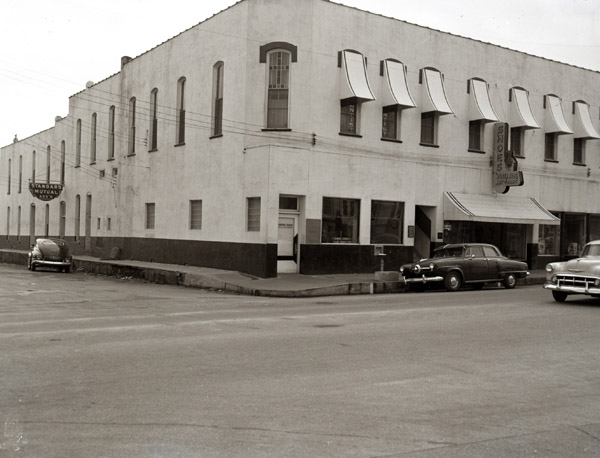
{"points": [[505, 173]]}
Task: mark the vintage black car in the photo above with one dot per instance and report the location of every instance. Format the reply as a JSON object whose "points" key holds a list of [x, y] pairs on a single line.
{"points": [[466, 263], [576, 276], [50, 253]]}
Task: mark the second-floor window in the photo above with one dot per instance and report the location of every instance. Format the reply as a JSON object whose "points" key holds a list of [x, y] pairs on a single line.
{"points": [[93, 138], [62, 161], [551, 146], [111, 132], [48, 159], [180, 135], [131, 126], [153, 146], [217, 115], [278, 89], [78, 144], [579, 151]]}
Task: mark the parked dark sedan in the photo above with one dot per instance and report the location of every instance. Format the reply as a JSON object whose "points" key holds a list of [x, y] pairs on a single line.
{"points": [[466, 263], [50, 253]]}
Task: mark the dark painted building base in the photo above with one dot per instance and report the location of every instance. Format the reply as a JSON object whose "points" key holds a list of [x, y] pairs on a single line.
{"points": [[259, 260], [348, 259]]}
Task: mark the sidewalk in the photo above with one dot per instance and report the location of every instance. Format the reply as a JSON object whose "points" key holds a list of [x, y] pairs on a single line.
{"points": [[284, 285]]}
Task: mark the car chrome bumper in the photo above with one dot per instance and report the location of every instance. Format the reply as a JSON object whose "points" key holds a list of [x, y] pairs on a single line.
{"points": [[572, 289], [40, 262], [422, 279]]}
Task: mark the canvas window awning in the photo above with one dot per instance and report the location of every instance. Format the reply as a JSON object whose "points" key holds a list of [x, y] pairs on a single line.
{"points": [[480, 105], [520, 110], [582, 122], [433, 94], [355, 82], [496, 209], [555, 119], [395, 87]]}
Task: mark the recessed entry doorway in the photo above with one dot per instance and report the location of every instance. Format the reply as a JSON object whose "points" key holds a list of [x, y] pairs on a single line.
{"points": [[287, 239]]}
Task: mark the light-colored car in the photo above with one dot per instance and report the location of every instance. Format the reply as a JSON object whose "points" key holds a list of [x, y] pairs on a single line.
{"points": [[576, 276], [50, 253]]}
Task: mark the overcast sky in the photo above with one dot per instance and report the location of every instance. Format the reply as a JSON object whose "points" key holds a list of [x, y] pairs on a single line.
{"points": [[51, 48]]}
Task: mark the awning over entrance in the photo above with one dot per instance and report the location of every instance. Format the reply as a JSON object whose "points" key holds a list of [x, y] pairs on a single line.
{"points": [[496, 209]]}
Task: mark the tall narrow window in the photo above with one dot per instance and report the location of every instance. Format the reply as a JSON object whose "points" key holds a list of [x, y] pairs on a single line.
{"points": [[153, 146], [47, 221], [429, 123], [78, 144], [253, 214], [9, 174], [48, 159], [579, 151], [217, 124], [476, 135], [111, 132], [93, 138], [550, 147], [150, 216], [7, 223], [63, 153], [516, 141], [389, 122], [33, 167], [278, 90], [131, 149], [77, 216], [180, 139], [62, 219], [349, 116], [195, 214], [20, 173], [19, 224]]}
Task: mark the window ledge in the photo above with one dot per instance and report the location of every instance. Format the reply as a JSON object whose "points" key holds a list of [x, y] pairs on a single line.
{"points": [[391, 140], [551, 160], [154, 150], [275, 129], [110, 159], [216, 136], [131, 154], [344, 134], [478, 151], [429, 145], [579, 164], [180, 144], [519, 157], [93, 163]]}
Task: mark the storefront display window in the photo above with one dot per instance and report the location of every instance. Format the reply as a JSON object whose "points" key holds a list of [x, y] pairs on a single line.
{"points": [[387, 219], [573, 234], [594, 228], [340, 220], [548, 240]]}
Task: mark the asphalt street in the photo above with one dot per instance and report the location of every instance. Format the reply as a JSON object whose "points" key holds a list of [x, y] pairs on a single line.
{"points": [[104, 367]]}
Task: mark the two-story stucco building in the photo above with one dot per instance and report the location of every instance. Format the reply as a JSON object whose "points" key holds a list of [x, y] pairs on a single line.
{"points": [[286, 136]]}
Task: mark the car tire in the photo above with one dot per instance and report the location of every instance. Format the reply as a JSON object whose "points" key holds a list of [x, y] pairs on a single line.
{"points": [[559, 296], [453, 281], [510, 281]]}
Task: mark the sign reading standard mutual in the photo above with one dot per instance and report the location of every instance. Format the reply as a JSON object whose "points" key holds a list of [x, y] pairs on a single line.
{"points": [[505, 173], [45, 191]]}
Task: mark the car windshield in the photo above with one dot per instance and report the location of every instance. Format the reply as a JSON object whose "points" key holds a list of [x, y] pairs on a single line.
{"points": [[591, 250], [452, 252]]}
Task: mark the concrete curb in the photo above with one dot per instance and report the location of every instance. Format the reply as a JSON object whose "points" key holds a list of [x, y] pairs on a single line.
{"points": [[175, 277]]}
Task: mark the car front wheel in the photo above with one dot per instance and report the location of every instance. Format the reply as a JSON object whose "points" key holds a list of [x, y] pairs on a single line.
{"points": [[453, 281], [510, 281], [559, 296]]}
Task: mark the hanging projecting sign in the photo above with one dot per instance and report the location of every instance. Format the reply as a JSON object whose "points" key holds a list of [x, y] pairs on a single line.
{"points": [[505, 173], [45, 191]]}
